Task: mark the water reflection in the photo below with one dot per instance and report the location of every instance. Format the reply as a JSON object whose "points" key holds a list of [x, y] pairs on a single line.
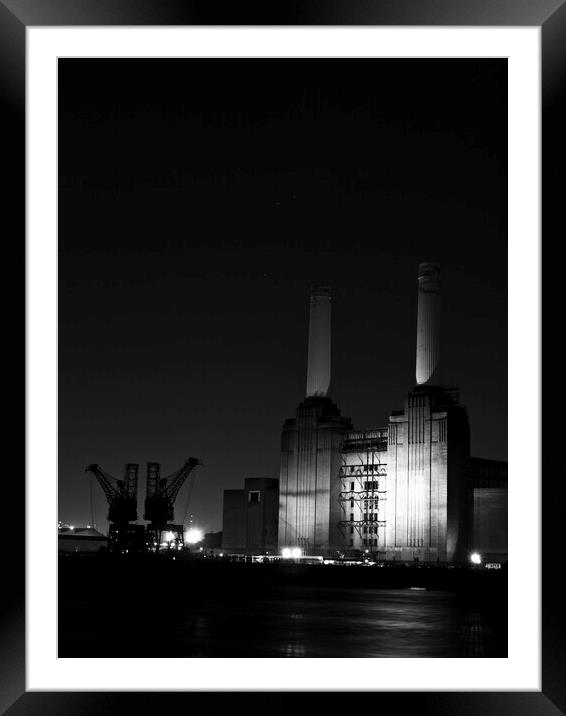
{"points": [[323, 622]]}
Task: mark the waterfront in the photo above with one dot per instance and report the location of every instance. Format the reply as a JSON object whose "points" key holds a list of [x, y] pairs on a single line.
{"points": [[175, 610]]}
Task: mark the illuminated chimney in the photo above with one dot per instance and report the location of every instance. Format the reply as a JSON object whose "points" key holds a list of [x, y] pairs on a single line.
{"points": [[318, 370], [428, 322]]}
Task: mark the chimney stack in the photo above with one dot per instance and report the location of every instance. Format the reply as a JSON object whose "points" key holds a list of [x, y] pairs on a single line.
{"points": [[428, 322], [318, 370]]}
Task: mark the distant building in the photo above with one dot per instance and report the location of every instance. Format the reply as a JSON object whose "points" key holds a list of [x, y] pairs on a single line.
{"points": [[249, 519], [73, 540], [212, 540], [489, 509]]}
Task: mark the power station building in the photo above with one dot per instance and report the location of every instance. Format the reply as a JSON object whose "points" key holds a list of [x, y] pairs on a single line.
{"points": [[406, 491]]}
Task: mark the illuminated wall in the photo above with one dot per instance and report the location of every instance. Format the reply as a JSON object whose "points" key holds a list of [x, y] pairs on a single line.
{"points": [[308, 489], [427, 479]]}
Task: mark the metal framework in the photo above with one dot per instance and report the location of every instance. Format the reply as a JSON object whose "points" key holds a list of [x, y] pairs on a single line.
{"points": [[122, 497], [161, 493], [362, 466]]}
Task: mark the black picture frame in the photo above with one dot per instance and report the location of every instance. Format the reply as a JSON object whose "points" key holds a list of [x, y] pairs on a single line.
{"points": [[15, 17]]}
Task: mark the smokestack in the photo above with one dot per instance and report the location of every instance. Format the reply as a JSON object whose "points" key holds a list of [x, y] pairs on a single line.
{"points": [[428, 321], [318, 370]]}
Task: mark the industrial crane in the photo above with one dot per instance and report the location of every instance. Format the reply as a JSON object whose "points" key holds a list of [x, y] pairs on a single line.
{"points": [[160, 496], [122, 498]]}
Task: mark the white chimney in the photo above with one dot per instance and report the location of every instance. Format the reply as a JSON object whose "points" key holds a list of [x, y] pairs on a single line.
{"points": [[318, 370], [428, 322]]}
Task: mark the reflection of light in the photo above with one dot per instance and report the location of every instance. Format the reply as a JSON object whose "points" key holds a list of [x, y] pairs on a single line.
{"points": [[193, 536], [475, 558]]}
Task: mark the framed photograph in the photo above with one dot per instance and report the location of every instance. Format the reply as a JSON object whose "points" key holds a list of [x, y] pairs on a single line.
{"points": [[200, 188]]}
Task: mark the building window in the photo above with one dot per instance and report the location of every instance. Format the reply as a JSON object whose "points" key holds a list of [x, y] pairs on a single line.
{"points": [[254, 496], [352, 486], [351, 516], [351, 530], [351, 542], [351, 503]]}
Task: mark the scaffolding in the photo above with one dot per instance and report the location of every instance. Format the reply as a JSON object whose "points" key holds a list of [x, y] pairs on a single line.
{"points": [[363, 488]]}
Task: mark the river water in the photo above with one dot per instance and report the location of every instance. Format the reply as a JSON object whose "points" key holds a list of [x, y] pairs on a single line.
{"points": [[323, 622], [280, 621]]}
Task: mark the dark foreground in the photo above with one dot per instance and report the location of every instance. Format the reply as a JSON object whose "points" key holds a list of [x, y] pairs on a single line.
{"points": [[155, 607]]}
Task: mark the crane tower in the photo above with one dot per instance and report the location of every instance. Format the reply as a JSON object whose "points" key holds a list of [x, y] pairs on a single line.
{"points": [[160, 496], [122, 498]]}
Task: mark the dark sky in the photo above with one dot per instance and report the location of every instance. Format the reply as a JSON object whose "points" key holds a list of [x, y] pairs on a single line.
{"points": [[200, 199]]}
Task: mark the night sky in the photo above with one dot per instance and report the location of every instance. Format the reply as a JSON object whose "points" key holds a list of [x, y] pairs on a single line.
{"points": [[200, 199]]}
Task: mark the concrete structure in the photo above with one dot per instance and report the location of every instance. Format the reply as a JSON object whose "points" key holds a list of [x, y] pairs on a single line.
{"points": [[489, 509], [403, 492], [318, 364], [249, 520], [309, 508], [428, 322], [407, 484]]}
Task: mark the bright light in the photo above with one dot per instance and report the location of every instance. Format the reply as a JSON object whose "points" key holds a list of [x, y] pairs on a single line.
{"points": [[169, 537], [475, 558], [193, 536], [291, 553]]}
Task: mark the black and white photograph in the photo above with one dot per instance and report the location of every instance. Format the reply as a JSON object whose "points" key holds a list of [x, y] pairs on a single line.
{"points": [[282, 357]]}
